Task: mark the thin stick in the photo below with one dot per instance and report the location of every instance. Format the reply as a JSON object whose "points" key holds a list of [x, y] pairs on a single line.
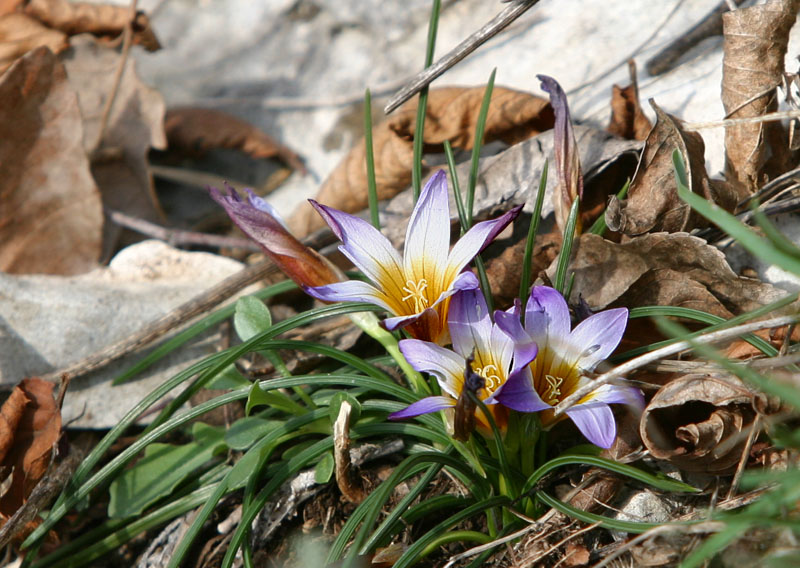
{"points": [[642, 360], [769, 117], [473, 42], [176, 237], [755, 428], [127, 40]]}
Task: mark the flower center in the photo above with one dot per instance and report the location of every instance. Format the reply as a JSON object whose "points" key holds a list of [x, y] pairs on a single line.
{"points": [[414, 291], [553, 392], [491, 376]]}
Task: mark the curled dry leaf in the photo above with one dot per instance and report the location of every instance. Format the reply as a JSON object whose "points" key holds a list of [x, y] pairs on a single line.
{"points": [[74, 18], [653, 203], [699, 423], [755, 43], [451, 115], [627, 118], [52, 218], [19, 34], [196, 130], [662, 269], [37, 431]]}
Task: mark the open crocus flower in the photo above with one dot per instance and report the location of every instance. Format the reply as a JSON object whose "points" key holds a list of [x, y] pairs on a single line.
{"points": [[259, 221], [563, 357], [490, 351], [416, 287]]}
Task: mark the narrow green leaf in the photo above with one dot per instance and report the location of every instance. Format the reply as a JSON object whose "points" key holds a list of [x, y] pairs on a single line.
{"points": [[336, 404], [480, 128], [533, 229], [372, 188], [566, 247], [279, 400]]}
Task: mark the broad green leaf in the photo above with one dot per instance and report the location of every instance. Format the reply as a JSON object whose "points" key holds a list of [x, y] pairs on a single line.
{"points": [[246, 466], [324, 470], [251, 317], [248, 430], [336, 404], [156, 475]]}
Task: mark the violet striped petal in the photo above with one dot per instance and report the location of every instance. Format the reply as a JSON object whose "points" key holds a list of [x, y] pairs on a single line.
{"points": [[424, 406], [598, 335], [595, 421]]}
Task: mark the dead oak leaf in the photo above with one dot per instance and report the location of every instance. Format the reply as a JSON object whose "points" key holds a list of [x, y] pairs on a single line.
{"points": [[662, 269], [36, 433], [20, 34], [105, 20], [755, 44], [52, 216], [451, 115], [653, 204], [627, 118], [196, 130]]}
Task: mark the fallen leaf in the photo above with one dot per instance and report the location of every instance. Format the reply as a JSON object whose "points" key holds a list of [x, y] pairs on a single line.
{"points": [[10, 415], [20, 34], [755, 43], [8, 6], [135, 124], [109, 20], [627, 118], [37, 432], [653, 204], [741, 349], [667, 269], [196, 130], [699, 423], [451, 115], [52, 215]]}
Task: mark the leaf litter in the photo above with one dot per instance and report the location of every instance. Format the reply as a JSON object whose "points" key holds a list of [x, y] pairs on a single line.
{"points": [[699, 425]]}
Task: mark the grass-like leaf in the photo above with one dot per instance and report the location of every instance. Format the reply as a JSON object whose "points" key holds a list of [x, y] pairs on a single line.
{"points": [[480, 128], [533, 229], [566, 247], [372, 188]]}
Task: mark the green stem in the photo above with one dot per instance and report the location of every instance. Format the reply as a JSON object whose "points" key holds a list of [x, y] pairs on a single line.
{"points": [[456, 536]]}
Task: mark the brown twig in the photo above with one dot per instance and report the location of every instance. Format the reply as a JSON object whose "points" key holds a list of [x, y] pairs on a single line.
{"points": [[176, 237], [127, 41], [473, 42]]}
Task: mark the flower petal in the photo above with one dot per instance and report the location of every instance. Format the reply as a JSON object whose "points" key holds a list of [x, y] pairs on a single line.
{"points": [[428, 233], [260, 203], [427, 357], [469, 322], [475, 240], [424, 406], [517, 393], [598, 336], [596, 422], [547, 316], [611, 394], [348, 291], [525, 349], [367, 249]]}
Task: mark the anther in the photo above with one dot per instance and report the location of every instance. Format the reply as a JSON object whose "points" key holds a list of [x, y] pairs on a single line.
{"points": [[414, 290]]}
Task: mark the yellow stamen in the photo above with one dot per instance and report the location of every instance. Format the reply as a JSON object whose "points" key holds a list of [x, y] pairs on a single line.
{"points": [[414, 290], [490, 374], [553, 392]]}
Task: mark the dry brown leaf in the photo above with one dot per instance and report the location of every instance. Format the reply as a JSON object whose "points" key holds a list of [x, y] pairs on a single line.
{"points": [[699, 423], [135, 124], [451, 115], [756, 40], [668, 269], [8, 6], [504, 272], [741, 349], [19, 34], [74, 18], [52, 216], [653, 204], [10, 415], [37, 432], [196, 130], [627, 119]]}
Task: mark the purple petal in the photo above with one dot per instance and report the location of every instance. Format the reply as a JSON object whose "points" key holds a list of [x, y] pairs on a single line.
{"points": [[476, 239], [595, 421], [598, 335], [428, 232], [525, 349], [424, 406], [517, 393], [366, 247], [547, 316], [469, 322], [427, 357], [348, 291], [262, 204], [611, 394]]}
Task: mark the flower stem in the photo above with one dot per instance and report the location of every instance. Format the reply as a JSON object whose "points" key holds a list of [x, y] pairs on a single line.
{"points": [[369, 323]]}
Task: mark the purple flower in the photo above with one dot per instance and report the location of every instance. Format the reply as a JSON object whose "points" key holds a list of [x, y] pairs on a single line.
{"points": [[475, 337], [259, 221], [416, 287], [563, 357]]}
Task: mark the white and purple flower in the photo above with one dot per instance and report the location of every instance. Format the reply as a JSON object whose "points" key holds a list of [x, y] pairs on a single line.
{"points": [[415, 288], [491, 353], [564, 356]]}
